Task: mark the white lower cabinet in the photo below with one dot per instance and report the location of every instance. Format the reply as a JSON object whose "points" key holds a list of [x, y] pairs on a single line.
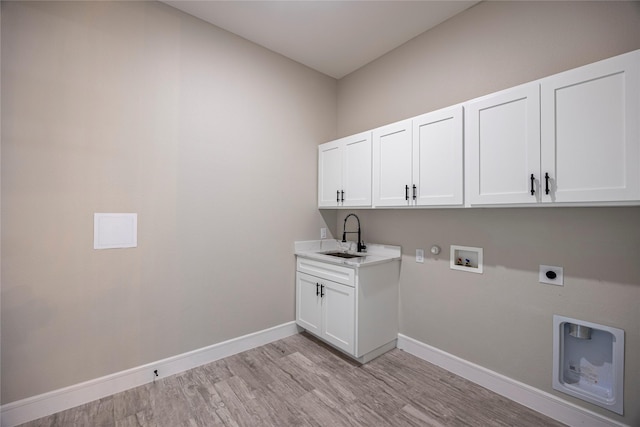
{"points": [[355, 309], [326, 309], [308, 303]]}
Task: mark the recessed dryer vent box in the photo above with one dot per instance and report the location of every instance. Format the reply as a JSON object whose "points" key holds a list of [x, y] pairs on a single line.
{"points": [[466, 258], [588, 362]]}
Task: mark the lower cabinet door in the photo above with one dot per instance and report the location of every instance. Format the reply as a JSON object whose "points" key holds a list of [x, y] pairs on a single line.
{"points": [[338, 315], [308, 303]]}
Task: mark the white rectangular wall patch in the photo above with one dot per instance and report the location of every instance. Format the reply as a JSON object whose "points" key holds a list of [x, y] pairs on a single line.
{"points": [[115, 230]]}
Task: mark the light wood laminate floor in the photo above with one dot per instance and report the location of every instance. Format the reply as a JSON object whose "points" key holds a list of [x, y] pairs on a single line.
{"points": [[299, 381]]}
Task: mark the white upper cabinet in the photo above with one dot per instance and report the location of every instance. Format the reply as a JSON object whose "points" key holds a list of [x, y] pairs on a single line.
{"points": [[437, 158], [502, 147], [418, 162], [329, 174], [344, 172], [356, 172], [590, 132], [392, 163], [570, 138]]}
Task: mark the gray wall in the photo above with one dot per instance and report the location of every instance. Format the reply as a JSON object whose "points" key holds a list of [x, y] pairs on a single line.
{"points": [[136, 107], [502, 319]]}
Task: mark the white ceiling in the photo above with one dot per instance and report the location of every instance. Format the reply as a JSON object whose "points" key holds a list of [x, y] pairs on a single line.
{"points": [[333, 37]]}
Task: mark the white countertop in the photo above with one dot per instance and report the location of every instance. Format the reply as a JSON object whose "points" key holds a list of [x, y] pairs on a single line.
{"points": [[375, 254]]}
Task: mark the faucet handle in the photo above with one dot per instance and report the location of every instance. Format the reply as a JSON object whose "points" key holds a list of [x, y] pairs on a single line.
{"points": [[362, 247]]}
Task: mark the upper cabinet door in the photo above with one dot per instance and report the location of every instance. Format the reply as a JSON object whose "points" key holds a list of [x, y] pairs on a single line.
{"points": [[344, 171], [392, 162], [437, 158], [502, 147], [590, 132], [356, 173], [329, 174]]}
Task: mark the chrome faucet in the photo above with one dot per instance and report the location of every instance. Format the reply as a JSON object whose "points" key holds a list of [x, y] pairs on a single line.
{"points": [[361, 246]]}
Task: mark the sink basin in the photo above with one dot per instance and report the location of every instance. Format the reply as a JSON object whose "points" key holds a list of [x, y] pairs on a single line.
{"points": [[342, 255]]}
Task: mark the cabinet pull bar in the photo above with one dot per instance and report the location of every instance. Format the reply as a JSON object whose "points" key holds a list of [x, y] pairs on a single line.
{"points": [[414, 191], [406, 193], [532, 181], [337, 196], [342, 196], [321, 291], [546, 183], [317, 289]]}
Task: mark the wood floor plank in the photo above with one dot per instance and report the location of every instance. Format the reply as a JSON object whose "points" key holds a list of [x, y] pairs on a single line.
{"points": [[131, 402], [200, 408], [317, 412], [235, 406], [300, 381], [283, 412], [415, 416], [365, 416], [129, 421]]}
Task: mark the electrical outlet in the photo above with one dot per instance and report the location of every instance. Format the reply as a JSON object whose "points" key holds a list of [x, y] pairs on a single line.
{"points": [[419, 255], [323, 233], [551, 275]]}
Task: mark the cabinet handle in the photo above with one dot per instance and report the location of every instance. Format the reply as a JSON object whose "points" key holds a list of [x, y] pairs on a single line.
{"points": [[317, 289], [532, 181], [337, 196], [406, 192], [546, 183], [321, 291], [342, 196], [414, 191]]}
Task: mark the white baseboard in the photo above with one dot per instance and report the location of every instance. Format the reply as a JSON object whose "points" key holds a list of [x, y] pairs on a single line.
{"points": [[538, 400], [35, 407]]}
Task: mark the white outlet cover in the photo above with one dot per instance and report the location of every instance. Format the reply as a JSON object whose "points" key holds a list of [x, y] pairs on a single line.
{"points": [[419, 255], [323, 233], [559, 279]]}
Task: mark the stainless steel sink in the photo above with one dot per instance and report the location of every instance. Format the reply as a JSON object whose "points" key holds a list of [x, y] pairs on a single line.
{"points": [[342, 255]]}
